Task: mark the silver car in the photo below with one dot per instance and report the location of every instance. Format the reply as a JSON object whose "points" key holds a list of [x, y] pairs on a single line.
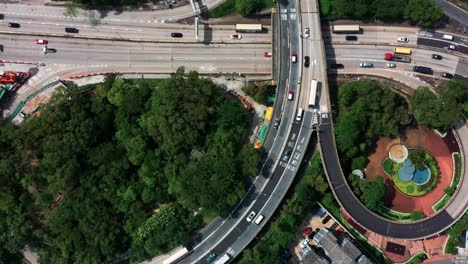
{"points": [[366, 65], [391, 65], [306, 32], [251, 216]]}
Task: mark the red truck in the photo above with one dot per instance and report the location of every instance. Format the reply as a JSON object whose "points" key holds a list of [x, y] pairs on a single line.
{"points": [[397, 57]]}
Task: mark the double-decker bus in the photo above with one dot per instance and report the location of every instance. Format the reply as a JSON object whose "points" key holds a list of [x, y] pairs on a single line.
{"points": [[249, 28], [313, 93], [404, 51], [346, 29]]}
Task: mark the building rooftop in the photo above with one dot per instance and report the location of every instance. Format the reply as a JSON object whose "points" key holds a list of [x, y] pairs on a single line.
{"points": [[345, 253]]}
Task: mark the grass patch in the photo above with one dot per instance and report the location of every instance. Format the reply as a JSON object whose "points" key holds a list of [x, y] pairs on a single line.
{"points": [[450, 190], [393, 215], [387, 166], [224, 9], [416, 259], [324, 6], [454, 233], [441, 203]]}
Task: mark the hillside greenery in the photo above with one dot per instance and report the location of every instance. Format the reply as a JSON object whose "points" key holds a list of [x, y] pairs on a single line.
{"points": [[102, 172]]}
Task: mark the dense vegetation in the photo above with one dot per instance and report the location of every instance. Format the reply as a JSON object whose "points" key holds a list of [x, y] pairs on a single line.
{"points": [[97, 174], [423, 12], [440, 112], [456, 232], [242, 7]]}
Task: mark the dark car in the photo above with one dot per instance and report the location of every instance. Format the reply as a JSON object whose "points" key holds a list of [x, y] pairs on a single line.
{"points": [[14, 25], [287, 154], [71, 30], [176, 35], [436, 56], [326, 219], [306, 61], [1, 48], [351, 37], [447, 75], [336, 66], [276, 123]]}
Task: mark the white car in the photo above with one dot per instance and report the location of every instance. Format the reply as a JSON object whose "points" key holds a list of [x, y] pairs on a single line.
{"points": [[251, 216], [402, 39], [306, 32], [391, 65], [236, 36]]}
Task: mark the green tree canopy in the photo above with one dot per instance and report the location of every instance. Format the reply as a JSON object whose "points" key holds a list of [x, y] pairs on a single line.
{"points": [[374, 195], [423, 12], [247, 7]]}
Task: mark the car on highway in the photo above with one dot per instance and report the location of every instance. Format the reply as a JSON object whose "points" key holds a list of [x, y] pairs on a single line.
{"points": [[211, 257], [306, 32], [336, 66], [14, 25], [447, 75], [41, 41], [236, 36], [366, 65], [351, 37], [452, 47], [266, 54], [306, 61], [277, 123], [48, 50], [176, 35], [287, 154], [293, 57], [403, 39], [436, 56], [251, 216], [1, 48], [391, 65], [71, 30], [290, 95], [259, 219]]}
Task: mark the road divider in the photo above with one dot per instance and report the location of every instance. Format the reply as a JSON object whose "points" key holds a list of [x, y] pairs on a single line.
{"points": [[23, 62]]}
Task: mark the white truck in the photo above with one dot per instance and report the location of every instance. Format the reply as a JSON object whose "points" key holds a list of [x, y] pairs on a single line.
{"points": [[224, 259]]}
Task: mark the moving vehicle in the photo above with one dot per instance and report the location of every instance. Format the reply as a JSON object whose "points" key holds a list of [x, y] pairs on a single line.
{"points": [[266, 54], [398, 58], [48, 50], [346, 29], [276, 123], [287, 154], [290, 95], [293, 57], [447, 37], [336, 66], [404, 51], [41, 41], [306, 32], [313, 93], [422, 69], [300, 112], [251, 216], [306, 61], [176, 35], [249, 28], [211, 257], [391, 65], [259, 219], [403, 39], [177, 255], [236, 36], [14, 25], [452, 47], [223, 259], [366, 65], [351, 37], [447, 75], [436, 56], [71, 30], [1, 48]]}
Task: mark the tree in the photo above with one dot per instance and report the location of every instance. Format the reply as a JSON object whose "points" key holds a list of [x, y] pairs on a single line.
{"points": [[373, 197], [423, 12], [389, 10], [247, 7], [418, 158]]}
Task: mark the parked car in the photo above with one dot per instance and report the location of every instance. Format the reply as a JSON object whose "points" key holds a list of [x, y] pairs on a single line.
{"points": [[447, 75], [266, 54], [326, 219], [452, 47], [306, 32], [306, 61], [351, 37], [41, 41], [251, 216], [176, 35], [236, 36], [71, 30], [290, 95], [307, 231], [436, 56], [14, 25], [391, 65], [402, 39], [293, 57], [287, 154], [211, 257], [366, 65]]}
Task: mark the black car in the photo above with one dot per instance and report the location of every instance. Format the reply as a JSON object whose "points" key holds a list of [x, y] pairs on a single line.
{"points": [[447, 75], [351, 37], [276, 123], [176, 35], [71, 30], [336, 66], [436, 56], [1, 48], [14, 25], [287, 154], [306, 61]]}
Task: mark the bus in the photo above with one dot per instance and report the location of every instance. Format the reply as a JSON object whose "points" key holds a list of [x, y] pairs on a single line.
{"points": [[176, 256], [346, 29], [249, 28], [313, 93], [404, 51]]}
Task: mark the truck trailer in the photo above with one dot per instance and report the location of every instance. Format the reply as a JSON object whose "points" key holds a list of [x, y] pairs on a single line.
{"points": [[397, 57]]}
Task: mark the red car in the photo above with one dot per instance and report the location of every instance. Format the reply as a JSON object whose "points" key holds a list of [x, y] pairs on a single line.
{"points": [[452, 47], [290, 95], [41, 41], [307, 231], [293, 57], [267, 54]]}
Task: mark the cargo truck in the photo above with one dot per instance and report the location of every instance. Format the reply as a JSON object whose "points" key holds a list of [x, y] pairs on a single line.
{"points": [[224, 259], [397, 57], [422, 69]]}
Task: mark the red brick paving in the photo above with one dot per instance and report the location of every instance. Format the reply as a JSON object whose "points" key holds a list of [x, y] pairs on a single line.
{"points": [[418, 137]]}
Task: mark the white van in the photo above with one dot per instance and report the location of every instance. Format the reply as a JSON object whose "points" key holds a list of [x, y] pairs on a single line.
{"points": [[259, 219], [300, 112], [448, 37]]}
